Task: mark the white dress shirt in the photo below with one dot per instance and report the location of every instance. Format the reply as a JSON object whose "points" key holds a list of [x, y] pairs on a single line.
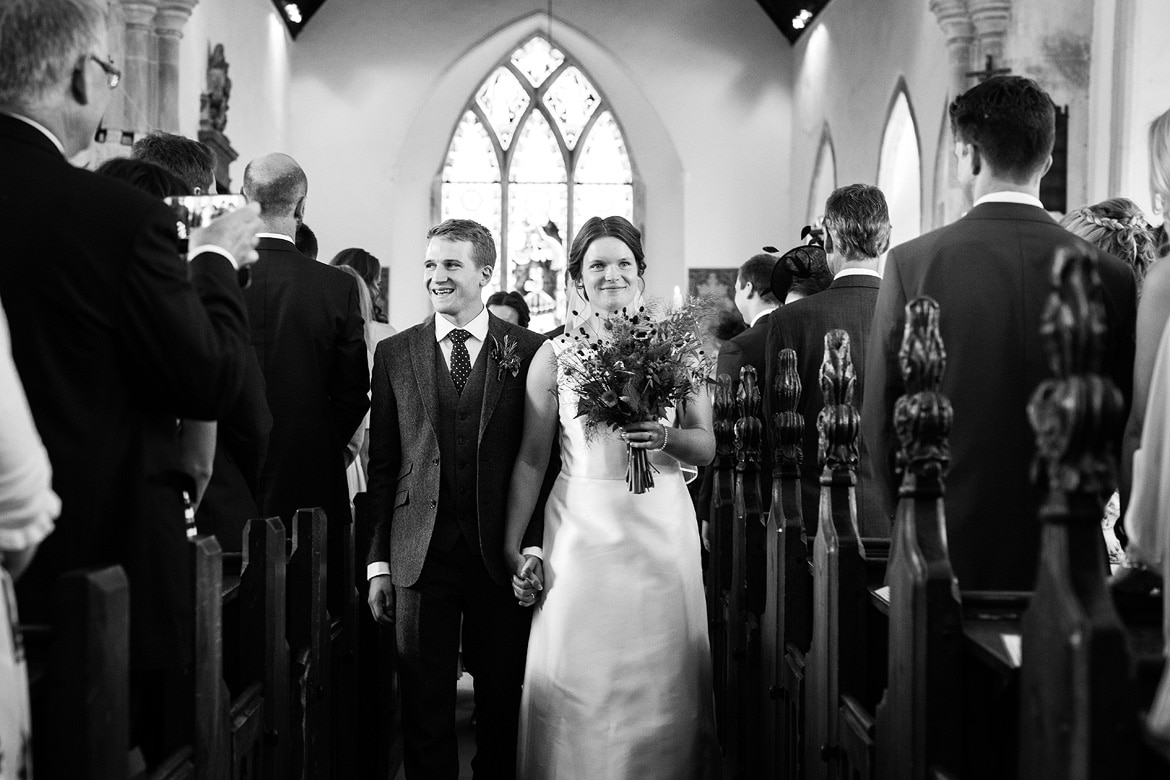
{"points": [[1010, 196], [856, 272]]}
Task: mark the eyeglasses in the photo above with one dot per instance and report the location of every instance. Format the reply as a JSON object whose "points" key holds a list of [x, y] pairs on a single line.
{"points": [[113, 75]]}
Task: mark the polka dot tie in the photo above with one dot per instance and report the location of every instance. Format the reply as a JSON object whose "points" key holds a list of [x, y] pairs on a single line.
{"points": [[460, 359]]}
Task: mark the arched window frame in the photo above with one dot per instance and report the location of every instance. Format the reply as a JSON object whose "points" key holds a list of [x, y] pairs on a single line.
{"points": [[571, 157], [901, 91], [825, 150]]}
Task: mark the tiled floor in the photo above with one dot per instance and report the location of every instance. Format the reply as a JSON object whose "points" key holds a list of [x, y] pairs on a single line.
{"points": [[464, 703]]}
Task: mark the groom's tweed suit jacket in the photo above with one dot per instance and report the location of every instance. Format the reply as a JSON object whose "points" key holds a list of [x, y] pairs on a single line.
{"points": [[405, 458]]}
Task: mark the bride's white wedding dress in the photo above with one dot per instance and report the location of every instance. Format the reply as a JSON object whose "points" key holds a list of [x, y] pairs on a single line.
{"points": [[618, 679]]}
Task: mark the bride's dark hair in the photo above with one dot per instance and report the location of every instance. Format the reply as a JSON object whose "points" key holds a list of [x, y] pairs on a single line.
{"points": [[612, 227]]}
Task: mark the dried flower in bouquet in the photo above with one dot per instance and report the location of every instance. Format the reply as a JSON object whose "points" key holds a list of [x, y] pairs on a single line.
{"points": [[633, 367]]}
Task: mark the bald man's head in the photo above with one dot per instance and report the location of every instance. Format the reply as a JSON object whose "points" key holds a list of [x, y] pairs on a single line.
{"points": [[277, 182]]}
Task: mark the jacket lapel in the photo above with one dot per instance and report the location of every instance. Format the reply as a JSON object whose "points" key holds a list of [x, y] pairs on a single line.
{"points": [[422, 360], [492, 382]]}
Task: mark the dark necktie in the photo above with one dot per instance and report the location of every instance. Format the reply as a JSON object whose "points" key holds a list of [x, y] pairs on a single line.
{"points": [[460, 359]]}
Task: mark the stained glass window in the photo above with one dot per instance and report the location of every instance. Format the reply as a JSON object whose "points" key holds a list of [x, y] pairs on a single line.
{"points": [[536, 153]]}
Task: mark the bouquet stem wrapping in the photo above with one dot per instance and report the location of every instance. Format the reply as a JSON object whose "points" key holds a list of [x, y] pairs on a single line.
{"points": [[639, 472]]}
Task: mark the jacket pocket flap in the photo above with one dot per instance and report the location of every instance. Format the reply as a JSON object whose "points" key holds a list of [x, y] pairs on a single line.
{"points": [[402, 498], [406, 469]]}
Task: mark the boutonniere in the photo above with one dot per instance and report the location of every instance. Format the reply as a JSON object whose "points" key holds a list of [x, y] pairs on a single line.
{"points": [[505, 356]]}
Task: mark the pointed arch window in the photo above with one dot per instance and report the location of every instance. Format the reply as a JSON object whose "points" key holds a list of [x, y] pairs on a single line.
{"points": [[900, 170], [536, 152]]}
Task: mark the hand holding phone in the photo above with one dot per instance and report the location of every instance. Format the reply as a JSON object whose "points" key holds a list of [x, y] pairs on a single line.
{"points": [[225, 221]]}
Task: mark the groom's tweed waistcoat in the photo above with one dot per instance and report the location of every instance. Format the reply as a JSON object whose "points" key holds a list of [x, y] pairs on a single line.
{"points": [[458, 455]]}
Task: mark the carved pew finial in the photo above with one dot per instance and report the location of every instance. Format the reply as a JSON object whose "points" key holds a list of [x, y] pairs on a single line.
{"points": [[923, 416], [1076, 715], [1078, 414], [838, 422], [748, 428], [788, 423], [723, 408]]}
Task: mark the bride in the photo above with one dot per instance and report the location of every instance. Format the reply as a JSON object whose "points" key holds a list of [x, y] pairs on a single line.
{"points": [[618, 677]]}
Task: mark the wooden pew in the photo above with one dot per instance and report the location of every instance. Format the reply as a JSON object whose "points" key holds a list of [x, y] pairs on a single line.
{"points": [[835, 662], [309, 643], [1077, 715], [745, 687], [342, 601], [785, 628], [918, 721], [79, 678], [722, 511], [256, 665]]}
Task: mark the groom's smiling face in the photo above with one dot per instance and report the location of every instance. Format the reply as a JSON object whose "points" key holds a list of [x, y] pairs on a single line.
{"points": [[454, 280]]}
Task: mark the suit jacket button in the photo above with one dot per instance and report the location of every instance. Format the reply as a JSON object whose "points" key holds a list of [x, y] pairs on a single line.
{"points": [[435, 462], [434, 503]]}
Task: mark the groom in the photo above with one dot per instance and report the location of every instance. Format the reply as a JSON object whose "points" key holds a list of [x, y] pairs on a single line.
{"points": [[446, 420]]}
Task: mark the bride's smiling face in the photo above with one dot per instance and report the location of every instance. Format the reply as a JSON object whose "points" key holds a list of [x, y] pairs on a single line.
{"points": [[609, 274]]}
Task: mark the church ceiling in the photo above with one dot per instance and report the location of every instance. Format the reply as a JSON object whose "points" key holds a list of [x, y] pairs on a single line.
{"points": [[296, 13], [792, 16]]}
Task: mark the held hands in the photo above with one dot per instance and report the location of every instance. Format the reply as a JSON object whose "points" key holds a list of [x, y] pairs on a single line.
{"points": [[528, 582], [645, 436], [235, 232], [381, 599]]}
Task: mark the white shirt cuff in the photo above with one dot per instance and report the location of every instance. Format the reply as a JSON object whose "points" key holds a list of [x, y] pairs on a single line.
{"points": [[377, 569], [194, 252], [535, 552]]}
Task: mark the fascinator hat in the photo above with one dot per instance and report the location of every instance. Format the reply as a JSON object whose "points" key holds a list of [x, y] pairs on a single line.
{"points": [[797, 263]]}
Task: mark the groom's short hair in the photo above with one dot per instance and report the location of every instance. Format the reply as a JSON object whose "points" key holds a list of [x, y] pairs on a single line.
{"points": [[483, 248]]}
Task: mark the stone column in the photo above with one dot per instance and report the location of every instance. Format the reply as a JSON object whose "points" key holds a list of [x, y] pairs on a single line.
{"points": [[138, 83], [955, 21], [991, 19], [172, 15]]}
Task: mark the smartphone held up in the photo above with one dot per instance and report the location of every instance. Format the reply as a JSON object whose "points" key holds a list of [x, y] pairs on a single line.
{"points": [[197, 211]]}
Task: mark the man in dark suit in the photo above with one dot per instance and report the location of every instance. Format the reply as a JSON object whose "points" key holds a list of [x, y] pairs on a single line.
{"points": [[447, 419], [308, 334], [991, 275], [857, 223], [115, 336]]}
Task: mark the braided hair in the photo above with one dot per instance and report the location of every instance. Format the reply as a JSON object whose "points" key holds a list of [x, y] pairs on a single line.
{"points": [[1119, 227]]}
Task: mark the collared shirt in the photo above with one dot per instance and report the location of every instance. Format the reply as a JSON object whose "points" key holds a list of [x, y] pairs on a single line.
{"points": [[281, 236], [478, 328], [44, 130], [760, 316], [1010, 196], [856, 272]]}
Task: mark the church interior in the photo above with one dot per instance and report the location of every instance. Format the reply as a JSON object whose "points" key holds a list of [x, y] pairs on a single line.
{"points": [[717, 127]]}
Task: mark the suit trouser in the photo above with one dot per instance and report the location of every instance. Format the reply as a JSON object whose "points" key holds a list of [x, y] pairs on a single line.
{"points": [[455, 588]]}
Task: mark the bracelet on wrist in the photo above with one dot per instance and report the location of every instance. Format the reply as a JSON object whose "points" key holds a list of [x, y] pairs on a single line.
{"points": [[665, 438]]}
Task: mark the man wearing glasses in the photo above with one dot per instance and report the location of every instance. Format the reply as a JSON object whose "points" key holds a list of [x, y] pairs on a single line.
{"points": [[114, 337]]}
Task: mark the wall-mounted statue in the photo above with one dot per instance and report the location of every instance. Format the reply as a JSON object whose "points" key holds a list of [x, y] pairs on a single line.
{"points": [[213, 104]]}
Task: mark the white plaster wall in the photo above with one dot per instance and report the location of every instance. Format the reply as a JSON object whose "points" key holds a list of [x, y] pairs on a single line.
{"points": [[1130, 87], [701, 88], [848, 64], [256, 44]]}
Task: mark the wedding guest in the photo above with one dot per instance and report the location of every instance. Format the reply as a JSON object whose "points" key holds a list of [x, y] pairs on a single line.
{"points": [[1154, 307], [447, 417], [28, 506], [808, 269], [308, 334], [510, 307], [370, 269], [222, 457], [306, 241], [136, 337], [857, 227], [618, 678], [192, 161], [991, 273], [1119, 227]]}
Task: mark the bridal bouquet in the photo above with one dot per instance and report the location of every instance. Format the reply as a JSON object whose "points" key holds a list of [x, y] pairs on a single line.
{"points": [[634, 370]]}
